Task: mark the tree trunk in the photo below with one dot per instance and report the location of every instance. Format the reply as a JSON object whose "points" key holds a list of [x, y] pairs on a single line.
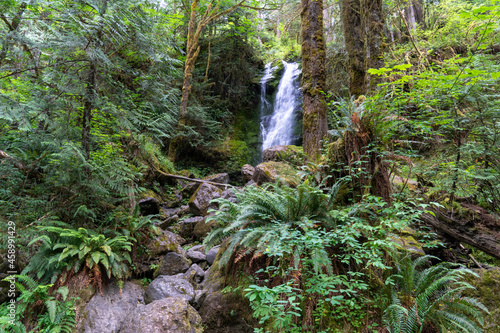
{"points": [[315, 126], [478, 229], [354, 33], [192, 51], [87, 108], [374, 46]]}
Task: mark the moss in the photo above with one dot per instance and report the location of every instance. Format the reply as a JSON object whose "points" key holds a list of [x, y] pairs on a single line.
{"points": [[487, 290]]}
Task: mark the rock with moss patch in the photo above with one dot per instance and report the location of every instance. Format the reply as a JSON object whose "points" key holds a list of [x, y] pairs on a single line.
{"points": [[166, 242], [221, 178], [172, 263], [168, 315], [186, 227], [276, 153], [200, 201], [269, 172], [169, 286], [105, 313], [406, 242], [224, 312], [247, 172]]}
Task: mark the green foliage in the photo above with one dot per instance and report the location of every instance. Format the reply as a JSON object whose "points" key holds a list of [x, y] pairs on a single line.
{"points": [[431, 297], [261, 217], [64, 248], [57, 315]]}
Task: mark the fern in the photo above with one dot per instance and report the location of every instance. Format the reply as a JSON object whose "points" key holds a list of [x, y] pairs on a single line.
{"points": [[266, 220], [431, 296]]}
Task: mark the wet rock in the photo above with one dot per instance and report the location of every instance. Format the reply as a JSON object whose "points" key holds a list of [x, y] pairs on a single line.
{"points": [[247, 172], [200, 201], [169, 315], [169, 286], [172, 263], [269, 172], [105, 313]]}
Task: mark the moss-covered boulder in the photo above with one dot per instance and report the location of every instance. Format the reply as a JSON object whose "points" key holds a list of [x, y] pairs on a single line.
{"points": [[168, 315], [165, 242], [269, 172], [283, 153], [224, 312]]}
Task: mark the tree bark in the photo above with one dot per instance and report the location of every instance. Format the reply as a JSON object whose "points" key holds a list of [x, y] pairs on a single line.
{"points": [[87, 108], [315, 126], [354, 35], [374, 46]]}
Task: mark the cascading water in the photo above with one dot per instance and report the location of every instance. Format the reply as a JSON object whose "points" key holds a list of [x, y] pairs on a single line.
{"points": [[278, 128], [265, 105]]}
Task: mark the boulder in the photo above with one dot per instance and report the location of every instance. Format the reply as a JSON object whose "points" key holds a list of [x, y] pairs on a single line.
{"points": [[105, 313], [278, 153], [202, 228], [149, 206], [195, 273], [166, 242], [169, 286], [196, 256], [172, 263], [169, 315], [200, 201], [247, 172], [224, 312], [190, 188], [169, 221], [221, 178], [229, 195], [271, 154], [186, 226], [269, 172], [212, 253]]}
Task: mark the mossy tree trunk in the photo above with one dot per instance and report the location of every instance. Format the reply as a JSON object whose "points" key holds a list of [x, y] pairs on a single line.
{"points": [[315, 126], [363, 24], [195, 28], [351, 13]]}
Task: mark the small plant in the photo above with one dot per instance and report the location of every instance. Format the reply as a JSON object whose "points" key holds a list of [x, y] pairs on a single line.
{"points": [[431, 298]]}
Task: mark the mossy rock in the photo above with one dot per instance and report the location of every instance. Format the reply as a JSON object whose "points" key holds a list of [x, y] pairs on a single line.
{"points": [[406, 242], [270, 172]]}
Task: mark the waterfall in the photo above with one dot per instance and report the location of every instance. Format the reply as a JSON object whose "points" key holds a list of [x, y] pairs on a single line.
{"points": [[278, 128]]}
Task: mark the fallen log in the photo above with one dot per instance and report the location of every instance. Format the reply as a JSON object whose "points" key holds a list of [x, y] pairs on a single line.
{"points": [[477, 231], [193, 180]]}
